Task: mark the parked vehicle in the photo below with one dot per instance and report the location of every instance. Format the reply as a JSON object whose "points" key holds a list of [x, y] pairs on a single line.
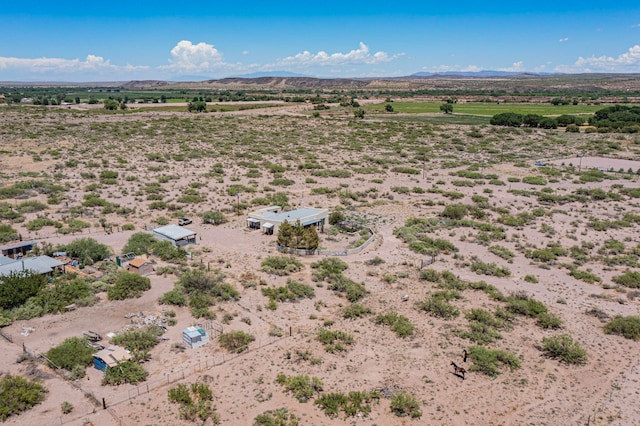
{"points": [[184, 221]]}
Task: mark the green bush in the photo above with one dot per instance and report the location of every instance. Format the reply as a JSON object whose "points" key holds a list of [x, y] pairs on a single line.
{"points": [[293, 291], [522, 304], [404, 404], [281, 265], [128, 285], [565, 349], [490, 269], [235, 341], [629, 279], [7, 233], [334, 341], [302, 386], [74, 351], [125, 372], [488, 361], [355, 310], [173, 297], [549, 320], [328, 268], [140, 243], [277, 417], [629, 327], [17, 287], [18, 394], [398, 323], [168, 252], [352, 404], [138, 341], [87, 250], [438, 306], [195, 402]]}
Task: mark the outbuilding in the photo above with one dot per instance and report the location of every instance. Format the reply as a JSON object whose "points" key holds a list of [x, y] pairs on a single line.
{"points": [[178, 235], [110, 357], [195, 336], [140, 266], [15, 251], [43, 265]]}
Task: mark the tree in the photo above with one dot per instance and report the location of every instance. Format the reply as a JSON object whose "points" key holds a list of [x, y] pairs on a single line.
{"points": [[128, 285], [140, 243], [447, 108], [18, 394], [197, 106], [110, 105], [17, 287], [297, 236], [388, 108], [87, 250], [73, 352], [358, 113]]}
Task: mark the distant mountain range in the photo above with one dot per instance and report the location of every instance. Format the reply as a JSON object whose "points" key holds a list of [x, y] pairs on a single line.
{"points": [[485, 73]]}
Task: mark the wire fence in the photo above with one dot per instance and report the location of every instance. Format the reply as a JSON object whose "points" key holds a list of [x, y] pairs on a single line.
{"points": [[345, 252], [107, 403]]}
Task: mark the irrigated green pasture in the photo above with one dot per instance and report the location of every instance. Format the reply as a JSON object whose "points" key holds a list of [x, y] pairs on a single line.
{"points": [[488, 109]]}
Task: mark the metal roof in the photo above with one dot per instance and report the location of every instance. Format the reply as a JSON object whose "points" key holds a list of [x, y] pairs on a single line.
{"points": [[291, 216], [38, 264], [4, 260], [15, 246], [174, 232]]}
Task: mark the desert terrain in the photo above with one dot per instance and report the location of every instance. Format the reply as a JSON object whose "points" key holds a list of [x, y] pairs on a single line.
{"points": [[559, 231]]}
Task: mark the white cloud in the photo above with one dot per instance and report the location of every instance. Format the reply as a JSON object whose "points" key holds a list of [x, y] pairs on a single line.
{"points": [[360, 56], [563, 39], [626, 62], [516, 67], [46, 65], [449, 68], [189, 57], [245, 52]]}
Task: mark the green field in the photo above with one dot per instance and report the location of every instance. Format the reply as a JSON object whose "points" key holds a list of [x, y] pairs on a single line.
{"points": [[487, 109]]}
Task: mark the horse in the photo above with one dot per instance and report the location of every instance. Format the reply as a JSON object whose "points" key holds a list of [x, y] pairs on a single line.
{"points": [[458, 371]]}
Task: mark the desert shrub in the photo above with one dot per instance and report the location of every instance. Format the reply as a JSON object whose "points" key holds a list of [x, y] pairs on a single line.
{"points": [[173, 297], [195, 402], [549, 320], [128, 285], [334, 340], [352, 290], [352, 404], [328, 268], [534, 180], [502, 252], [168, 252], [629, 279], [302, 386], [18, 394], [480, 333], [437, 305], [128, 227], [277, 417], [454, 211], [404, 404], [489, 361], [235, 341], [628, 326], [138, 341], [214, 217], [489, 289], [66, 407], [125, 372], [65, 290], [522, 304], [565, 349], [355, 310], [530, 279], [398, 323], [431, 246], [430, 275], [70, 353], [489, 269], [7, 233], [585, 276], [281, 265], [293, 291]]}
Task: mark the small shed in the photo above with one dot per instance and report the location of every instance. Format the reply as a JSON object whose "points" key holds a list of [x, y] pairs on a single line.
{"points": [[17, 250], [195, 336], [140, 266], [178, 235], [110, 357]]}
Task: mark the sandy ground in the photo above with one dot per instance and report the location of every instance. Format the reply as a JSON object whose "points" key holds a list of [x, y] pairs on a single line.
{"points": [[541, 392]]}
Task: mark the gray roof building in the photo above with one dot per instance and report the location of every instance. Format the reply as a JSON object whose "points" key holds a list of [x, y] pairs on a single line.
{"points": [[177, 235], [38, 264]]}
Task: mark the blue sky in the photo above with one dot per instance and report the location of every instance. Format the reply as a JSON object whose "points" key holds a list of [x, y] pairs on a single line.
{"points": [[127, 40]]}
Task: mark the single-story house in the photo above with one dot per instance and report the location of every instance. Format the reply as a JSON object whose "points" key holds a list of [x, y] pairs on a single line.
{"points": [[140, 266], [178, 235], [16, 250], [194, 336], [43, 265], [110, 357], [270, 218]]}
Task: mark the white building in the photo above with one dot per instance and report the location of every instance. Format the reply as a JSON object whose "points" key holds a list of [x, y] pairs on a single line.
{"points": [[269, 219], [178, 235]]}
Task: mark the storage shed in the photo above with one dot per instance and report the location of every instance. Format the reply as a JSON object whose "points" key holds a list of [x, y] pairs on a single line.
{"points": [[110, 357], [195, 336], [140, 266], [178, 235]]}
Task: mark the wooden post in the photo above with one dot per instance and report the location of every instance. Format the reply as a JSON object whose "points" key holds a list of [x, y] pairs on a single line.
{"points": [[104, 404]]}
